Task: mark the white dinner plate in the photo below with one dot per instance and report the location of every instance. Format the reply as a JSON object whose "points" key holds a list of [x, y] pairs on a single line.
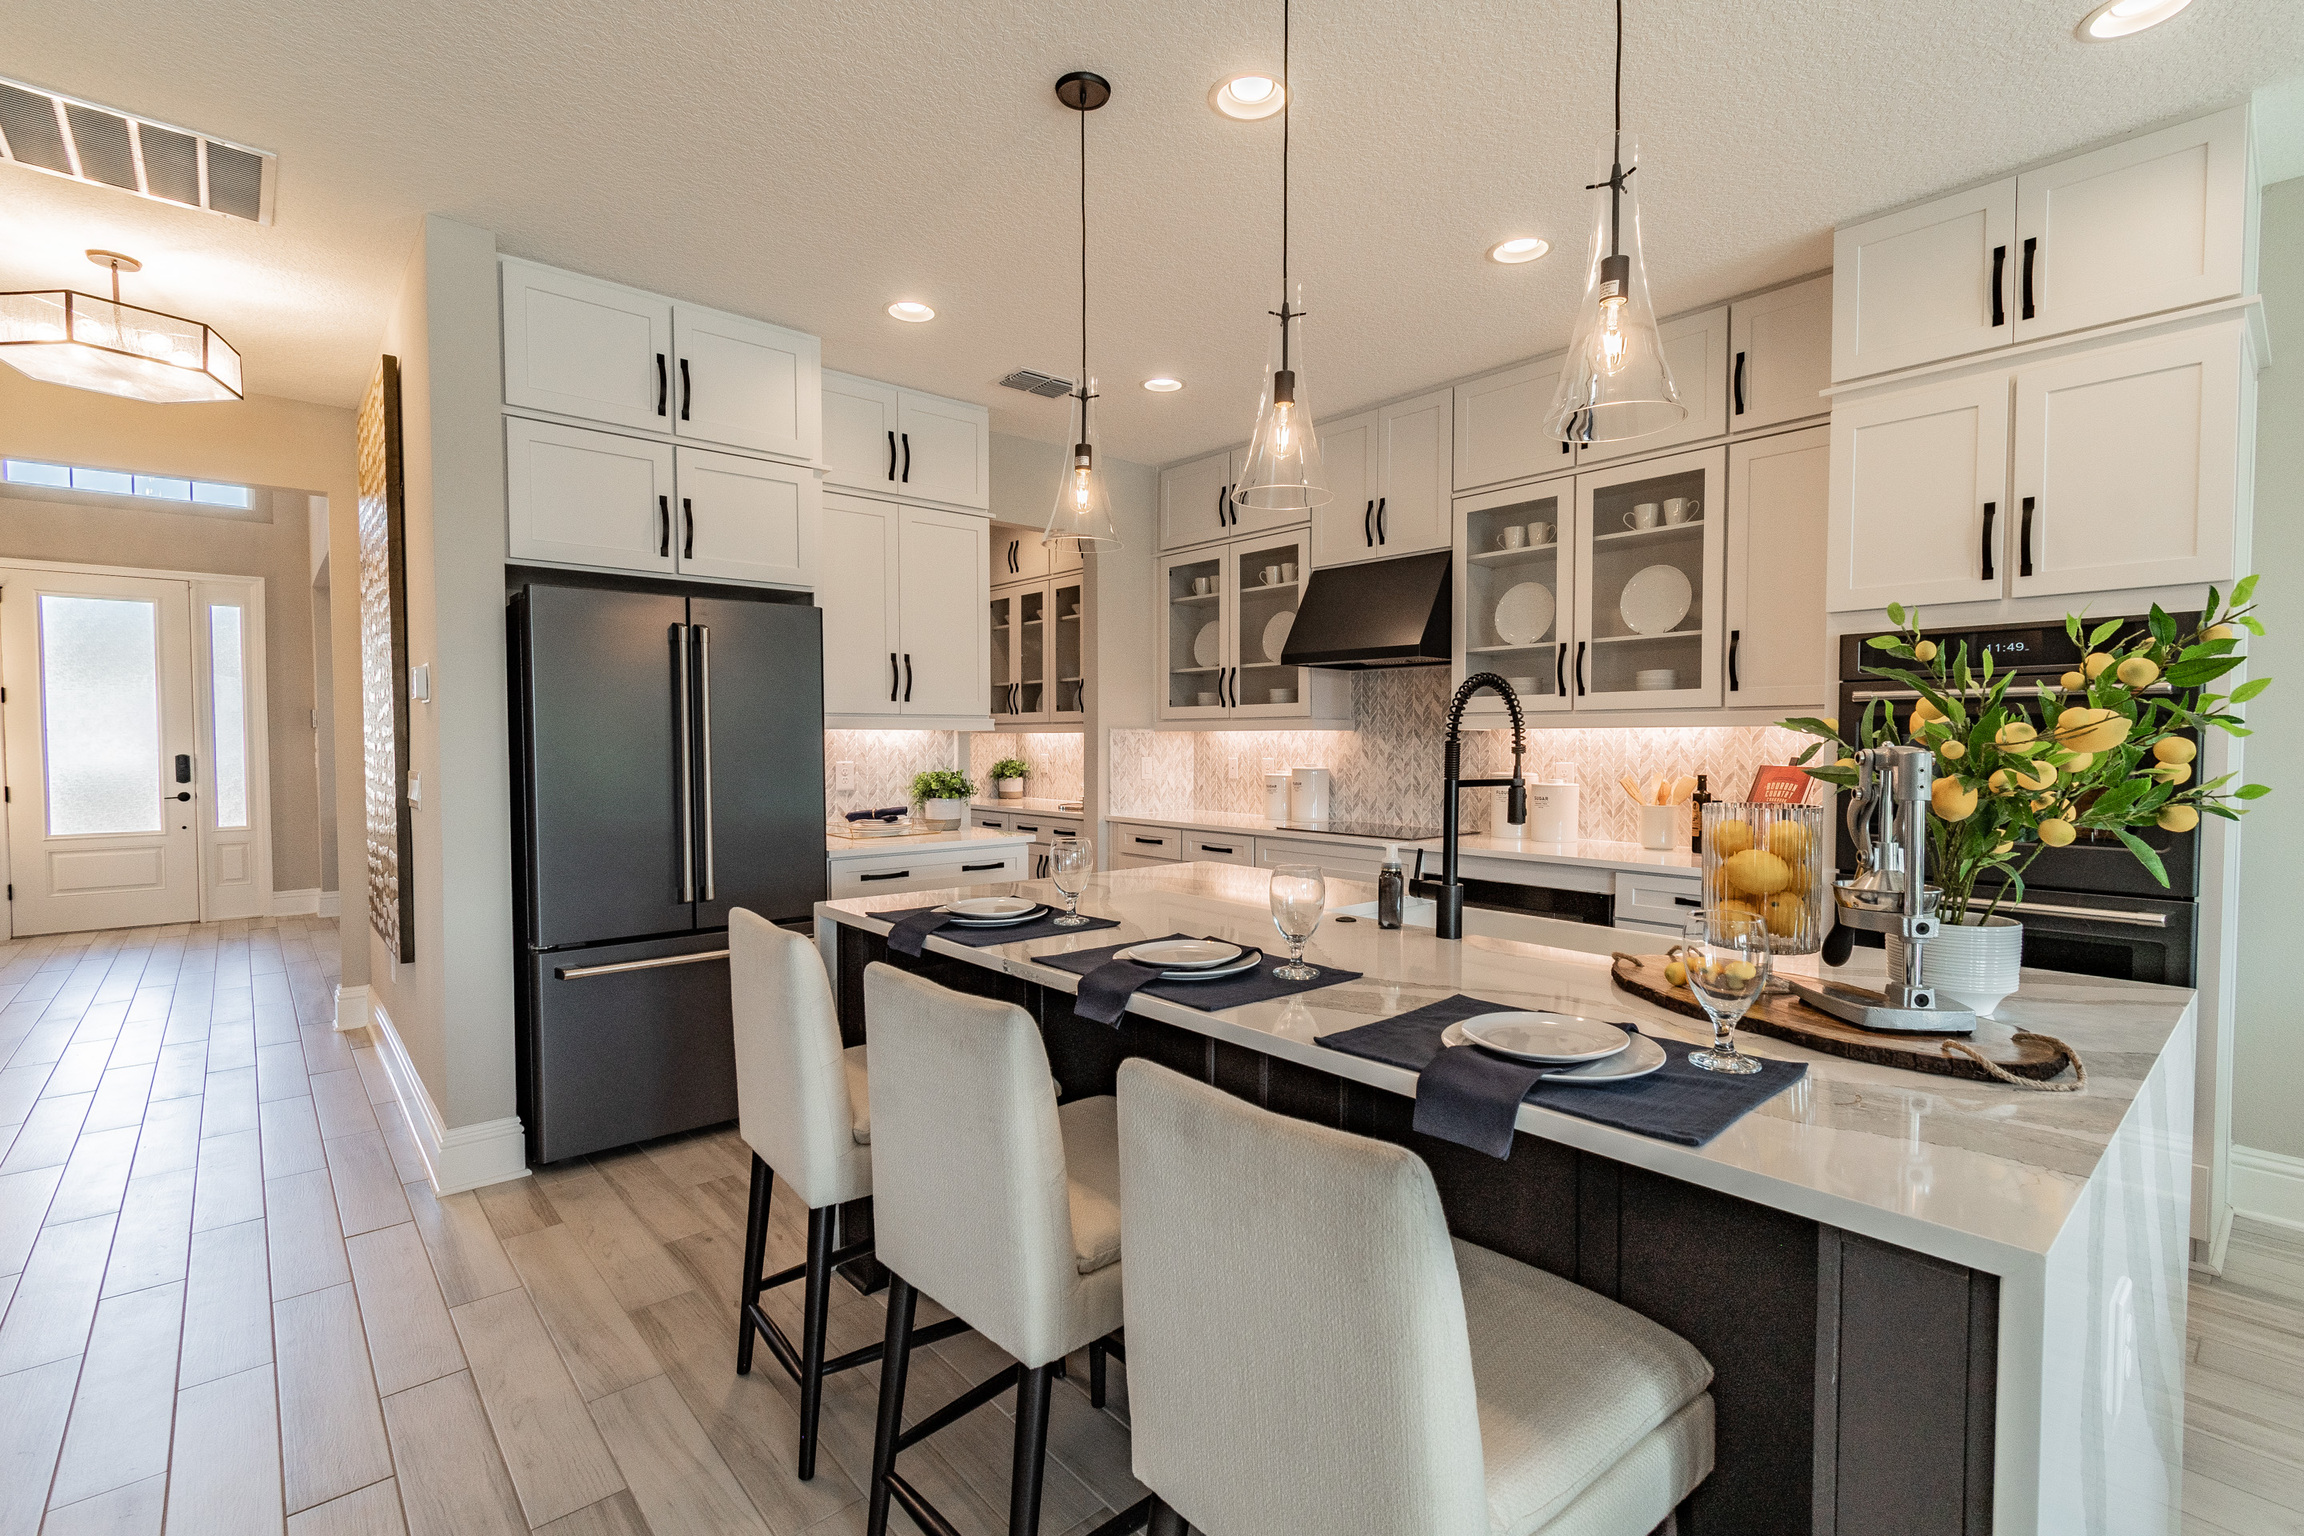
{"points": [[1524, 614], [1640, 1058], [1018, 920], [1276, 634], [1182, 954], [1207, 646], [1253, 959], [1558, 1038], [1656, 599], [989, 906]]}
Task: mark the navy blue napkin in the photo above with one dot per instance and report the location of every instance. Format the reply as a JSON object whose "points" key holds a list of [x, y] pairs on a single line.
{"points": [[1470, 1102], [908, 931], [1106, 983]]}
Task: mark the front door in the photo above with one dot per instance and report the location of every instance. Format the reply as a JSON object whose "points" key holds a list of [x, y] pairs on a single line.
{"points": [[100, 742]]}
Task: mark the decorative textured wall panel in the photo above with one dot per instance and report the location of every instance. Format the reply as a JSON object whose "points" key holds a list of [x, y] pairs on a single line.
{"points": [[384, 661]]}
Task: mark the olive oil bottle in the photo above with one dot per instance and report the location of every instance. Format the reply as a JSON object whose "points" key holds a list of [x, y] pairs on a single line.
{"points": [[1696, 804]]}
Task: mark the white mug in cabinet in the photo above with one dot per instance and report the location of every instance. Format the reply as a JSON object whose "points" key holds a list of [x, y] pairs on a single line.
{"points": [[1269, 576], [1514, 537], [1645, 515], [1203, 585], [1287, 570], [1681, 509], [1539, 535]]}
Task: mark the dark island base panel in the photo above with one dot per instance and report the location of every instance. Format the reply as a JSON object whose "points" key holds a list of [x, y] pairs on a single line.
{"points": [[1854, 1381]]}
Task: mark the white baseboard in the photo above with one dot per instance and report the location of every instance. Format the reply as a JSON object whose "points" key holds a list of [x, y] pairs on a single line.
{"points": [[331, 904], [295, 903], [351, 1008], [2268, 1186], [455, 1158]]}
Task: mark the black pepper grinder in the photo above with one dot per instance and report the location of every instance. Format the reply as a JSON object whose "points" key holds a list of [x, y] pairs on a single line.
{"points": [[1696, 804]]}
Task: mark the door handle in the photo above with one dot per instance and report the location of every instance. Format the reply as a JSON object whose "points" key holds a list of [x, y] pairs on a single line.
{"points": [[1220, 506], [1215, 848], [1566, 446], [2031, 250], [1579, 669], [1379, 520], [1739, 383], [1687, 901], [686, 389], [664, 537], [688, 542], [1990, 508], [183, 767], [687, 770], [186, 795], [891, 677], [1231, 508], [2024, 540], [662, 384], [704, 745], [907, 677], [1735, 639], [1560, 670], [891, 453], [1152, 842], [1368, 524], [972, 869], [579, 972], [1999, 276], [907, 456]]}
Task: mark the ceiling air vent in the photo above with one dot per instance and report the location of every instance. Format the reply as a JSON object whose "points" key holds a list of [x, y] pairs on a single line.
{"points": [[81, 141], [1034, 382]]}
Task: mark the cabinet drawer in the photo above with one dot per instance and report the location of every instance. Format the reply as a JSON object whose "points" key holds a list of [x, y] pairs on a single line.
{"points": [[1147, 842], [1643, 898], [883, 873], [1040, 829], [1139, 861], [1338, 861], [1217, 849], [990, 821]]}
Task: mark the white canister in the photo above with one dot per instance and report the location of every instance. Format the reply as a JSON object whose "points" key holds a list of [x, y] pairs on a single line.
{"points": [[1307, 795], [1661, 826], [1276, 798], [1552, 812]]}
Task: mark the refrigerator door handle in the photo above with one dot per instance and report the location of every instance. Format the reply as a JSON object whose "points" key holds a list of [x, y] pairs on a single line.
{"points": [[579, 972], [704, 744], [687, 771]]}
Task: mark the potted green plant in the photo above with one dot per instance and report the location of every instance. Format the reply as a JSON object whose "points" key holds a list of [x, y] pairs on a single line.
{"points": [[942, 795], [1008, 776], [2095, 755]]}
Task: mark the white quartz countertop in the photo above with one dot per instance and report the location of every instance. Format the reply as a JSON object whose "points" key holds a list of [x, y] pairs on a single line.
{"points": [[838, 847], [1590, 853], [1975, 1172], [1030, 805]]}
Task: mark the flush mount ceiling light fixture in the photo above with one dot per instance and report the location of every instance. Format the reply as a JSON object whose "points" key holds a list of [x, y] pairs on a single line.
{"points": [[2126, 18], [105, 147], [1248, 98], [1515, 251], [1617, 384], [1083, 509], [63, 337], [1163, 386], [907, 310]]}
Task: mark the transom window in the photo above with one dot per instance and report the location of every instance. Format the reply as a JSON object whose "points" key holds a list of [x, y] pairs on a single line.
{"points": [[120, 482]]}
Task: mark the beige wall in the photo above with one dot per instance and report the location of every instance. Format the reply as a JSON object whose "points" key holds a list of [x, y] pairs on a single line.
{"points": [[260, 441], [2268, 1056]]}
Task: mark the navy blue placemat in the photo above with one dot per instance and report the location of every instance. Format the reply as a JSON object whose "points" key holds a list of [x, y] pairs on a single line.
{"points": [[1677, 1102], [908, 930], [1106, 984]]}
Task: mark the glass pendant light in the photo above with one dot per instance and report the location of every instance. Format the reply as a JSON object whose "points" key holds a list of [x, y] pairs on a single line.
{"points": [[1284, 472], [1083, 510], [1616, 384], [71, 338]]}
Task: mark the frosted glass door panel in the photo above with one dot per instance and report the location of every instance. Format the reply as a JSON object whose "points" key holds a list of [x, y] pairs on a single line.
{"points": [[228, 716], [100, 687]]}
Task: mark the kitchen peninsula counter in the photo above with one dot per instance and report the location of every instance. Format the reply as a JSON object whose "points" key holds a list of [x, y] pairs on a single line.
{"points": [[1959, 1295]]}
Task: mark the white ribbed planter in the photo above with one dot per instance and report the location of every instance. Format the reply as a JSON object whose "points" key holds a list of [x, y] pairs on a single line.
{"points": [[943, 813], [1974, 966], [1010, 789]]}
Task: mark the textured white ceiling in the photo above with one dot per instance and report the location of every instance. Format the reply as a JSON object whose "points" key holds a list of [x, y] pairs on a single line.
{"points": [[809, 163]]}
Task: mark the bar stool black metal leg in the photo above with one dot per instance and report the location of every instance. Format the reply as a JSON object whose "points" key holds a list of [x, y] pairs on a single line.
{"points": [[1031, 1451], [816, 1303], [895, 1360], [1095, 1373], [1165, 1521], [755, 1259]]}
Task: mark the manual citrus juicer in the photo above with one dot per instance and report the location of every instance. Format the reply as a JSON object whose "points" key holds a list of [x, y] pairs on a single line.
{"points": [[1890, 893]]}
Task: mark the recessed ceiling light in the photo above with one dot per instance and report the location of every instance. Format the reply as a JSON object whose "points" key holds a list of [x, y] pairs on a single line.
{"points": [[1163, 386], [1247, 97], [2124, 18], [1513, 252], [907, 310]]}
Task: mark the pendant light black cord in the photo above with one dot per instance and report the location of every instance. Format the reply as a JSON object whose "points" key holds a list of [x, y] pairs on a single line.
{"points": [[1084, 274], [1286, 102], [1616, 171]]}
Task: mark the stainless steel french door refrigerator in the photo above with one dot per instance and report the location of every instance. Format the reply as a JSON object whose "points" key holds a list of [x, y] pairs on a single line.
{"points": [[668, 765]]}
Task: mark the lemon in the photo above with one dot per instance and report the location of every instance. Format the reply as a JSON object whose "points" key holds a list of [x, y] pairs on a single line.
{"points": [[1787, 914], [2015, 733], [2080, 762], [1676, 973], [1832, 724], [2174, 749], [1955, 750], [2138, 671], [2178, 818], [1844, 762], [1998, 783], [1758, 871], [1924, 651], [2093, 730], [2172, 773], [1732, 838], [2072, 680], [1952, 800], [2038, 776], [2001, 848], [2220, 632], [1788, 840], [2056, 832], [2096, 662]]}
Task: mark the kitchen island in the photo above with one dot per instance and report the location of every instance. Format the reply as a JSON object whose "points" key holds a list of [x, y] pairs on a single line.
{"points": [[1933, 1305]]}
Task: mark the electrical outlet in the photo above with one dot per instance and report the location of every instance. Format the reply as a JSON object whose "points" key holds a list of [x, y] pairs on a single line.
{"points": [[844, 776]]}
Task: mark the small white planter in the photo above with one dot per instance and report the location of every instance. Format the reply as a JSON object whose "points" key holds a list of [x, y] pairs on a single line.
{"points": [[943, 813], [1970, 964], [1010, 789]]}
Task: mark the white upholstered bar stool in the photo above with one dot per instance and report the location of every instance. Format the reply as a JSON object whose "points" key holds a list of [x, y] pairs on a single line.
{"points": [[997, 1203], [1313, 1352]]}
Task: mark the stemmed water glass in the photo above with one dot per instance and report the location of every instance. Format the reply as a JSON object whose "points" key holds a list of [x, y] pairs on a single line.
{"points": [[1299, 896], [1726, 952], [1070, 861]]}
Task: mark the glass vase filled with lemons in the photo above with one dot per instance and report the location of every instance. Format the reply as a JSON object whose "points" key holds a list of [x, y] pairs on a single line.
{"points": [[1773, 861]]}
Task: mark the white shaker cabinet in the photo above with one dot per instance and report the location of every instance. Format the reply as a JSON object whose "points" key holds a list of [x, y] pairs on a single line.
{"points": [[905, 630], [1017, 553], [1927, 283], [1647, 612], [745, 519], [1919, 496], [1779, 494], [1501, 436], [1780, 355], [885, 440], [746, 383], [1388, 473], [1344, 527], [577, 346], [862, 671], [944, 569], [1195, 501], [859, 433], [1225, 615], [1696, 349], [579, 497]]}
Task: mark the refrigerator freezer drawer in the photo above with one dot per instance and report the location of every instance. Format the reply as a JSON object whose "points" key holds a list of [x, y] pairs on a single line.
{"points": [[625, 1042]]}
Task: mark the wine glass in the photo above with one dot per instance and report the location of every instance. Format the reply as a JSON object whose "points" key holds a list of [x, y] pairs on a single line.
{"points": [[1726, 952], [1299, 896], [1070, 861]]}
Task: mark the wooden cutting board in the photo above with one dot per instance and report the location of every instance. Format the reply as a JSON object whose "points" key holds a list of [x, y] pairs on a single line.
{"points": [[1788, 1018]]}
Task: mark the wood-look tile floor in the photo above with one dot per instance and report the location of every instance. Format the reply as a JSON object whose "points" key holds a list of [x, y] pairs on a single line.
{"points": [[230, 1303], [2244, 1388]]}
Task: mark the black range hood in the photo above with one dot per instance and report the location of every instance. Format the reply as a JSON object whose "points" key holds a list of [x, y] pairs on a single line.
{"points": [[1387, 613]]}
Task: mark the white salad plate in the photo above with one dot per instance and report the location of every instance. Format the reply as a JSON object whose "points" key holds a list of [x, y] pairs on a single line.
{"points": [[1276, 634], [990, 906], [1524, 614], [1554, 1038], [1017, 920], [1182, 954], [1656, 599], [1249, 962], [1207, 646], [1638, 1059]]}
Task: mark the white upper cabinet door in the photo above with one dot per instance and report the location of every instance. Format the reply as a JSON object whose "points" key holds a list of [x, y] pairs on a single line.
{"points": [[1195, 501], [943, 450], [1064, 557], [1344, 527], [1696, 349], [747, 383], [1779, 495], [1919, 496], [1780, 361], [1928, 283], [943, 621], [747, 519], [587, 498], [577, 346], [1017, 554], [1412, 495], [2153, 223], [859, 433], [1249, 519], [863, 667], [1500, 433], [1648, 624], [2126, 465]]}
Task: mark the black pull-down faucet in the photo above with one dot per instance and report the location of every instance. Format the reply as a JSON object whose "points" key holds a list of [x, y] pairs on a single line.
{"points": [[1448, 898]]}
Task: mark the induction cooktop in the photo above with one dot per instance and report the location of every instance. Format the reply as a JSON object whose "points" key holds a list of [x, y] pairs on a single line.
{"points": [[1379, 830]]}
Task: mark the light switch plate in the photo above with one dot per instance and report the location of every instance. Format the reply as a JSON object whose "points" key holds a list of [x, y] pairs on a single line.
{"points": [[420, 682]]}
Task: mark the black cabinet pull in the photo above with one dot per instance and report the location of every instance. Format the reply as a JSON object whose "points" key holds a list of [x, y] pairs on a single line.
{"points": [[1999, 275], [2024, 540], [1220, 506], [663, 384], [1566, 446], [907, 475], [1990, 509], [1739, 383], [2031, 249], [1215, 848], [1560, 670], [891, 453], [688, 540], [970, 869], [686, 389], [664, 534], [891, 677], [1231, 508], [907, 677], [1735, 640], [1368, 524], [1152, 842], [1687, 901], [1379, 520], [893, 874], [1579, 669]]}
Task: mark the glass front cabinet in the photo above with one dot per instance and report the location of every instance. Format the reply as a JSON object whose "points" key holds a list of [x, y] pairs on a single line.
{"points": [[1037, 677], [1225, 613]]}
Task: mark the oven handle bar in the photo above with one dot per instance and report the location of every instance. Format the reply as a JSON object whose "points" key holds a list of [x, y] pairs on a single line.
{"points": [[2045, 909], [1907, 695]]}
